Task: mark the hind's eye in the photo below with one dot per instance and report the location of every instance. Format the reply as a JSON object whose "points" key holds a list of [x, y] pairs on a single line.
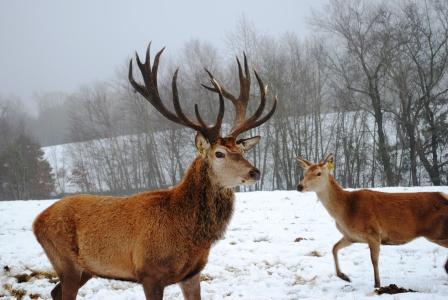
{"points": [[219, 154], [318, 174]]}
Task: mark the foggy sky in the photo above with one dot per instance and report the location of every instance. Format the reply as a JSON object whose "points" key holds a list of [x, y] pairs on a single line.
{"points": [[59, 45]]}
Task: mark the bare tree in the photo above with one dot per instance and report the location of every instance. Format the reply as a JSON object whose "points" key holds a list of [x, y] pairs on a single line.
{"points": [[367, 36], [427, 48]]}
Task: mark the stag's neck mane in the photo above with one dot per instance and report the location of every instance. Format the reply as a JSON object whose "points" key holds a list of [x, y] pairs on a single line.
{"points": [[333, 197], [209, 204]]}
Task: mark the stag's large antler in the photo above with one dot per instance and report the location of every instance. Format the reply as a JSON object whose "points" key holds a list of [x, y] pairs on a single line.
{"points": [[241, 124], [151, 93]]}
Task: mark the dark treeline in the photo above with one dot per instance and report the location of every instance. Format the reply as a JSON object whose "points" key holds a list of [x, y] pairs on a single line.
{"points": [[371, 86], [24, 172]]}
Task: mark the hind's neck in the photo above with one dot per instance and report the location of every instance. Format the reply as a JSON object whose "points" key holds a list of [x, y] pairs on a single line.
{"points": [[333, 197]]}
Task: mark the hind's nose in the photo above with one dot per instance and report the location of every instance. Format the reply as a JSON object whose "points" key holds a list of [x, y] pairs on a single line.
{"points": [[254, 174], [300, 187]]}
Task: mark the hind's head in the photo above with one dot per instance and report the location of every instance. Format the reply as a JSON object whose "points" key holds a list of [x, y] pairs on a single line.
{"points": [[316, 175]]}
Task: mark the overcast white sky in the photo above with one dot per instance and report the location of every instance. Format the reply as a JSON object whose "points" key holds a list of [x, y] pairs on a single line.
{"points": [[59, 45]]}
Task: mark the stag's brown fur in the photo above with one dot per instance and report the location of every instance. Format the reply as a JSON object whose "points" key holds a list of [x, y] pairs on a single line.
{"points": [[377, 218], [165, 235]]}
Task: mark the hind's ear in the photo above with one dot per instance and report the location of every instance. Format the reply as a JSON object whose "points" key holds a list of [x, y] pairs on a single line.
{"points": [[328, 159], [303, 163], [329, 162]]}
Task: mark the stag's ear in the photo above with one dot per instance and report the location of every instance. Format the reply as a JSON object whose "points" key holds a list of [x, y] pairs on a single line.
{"points": [[303, 163], [329, 161], [201, 143], [249, 143]]}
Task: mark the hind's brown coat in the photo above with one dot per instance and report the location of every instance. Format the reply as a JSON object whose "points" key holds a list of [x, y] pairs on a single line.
{"points": [[377, 218], [389, 218]]}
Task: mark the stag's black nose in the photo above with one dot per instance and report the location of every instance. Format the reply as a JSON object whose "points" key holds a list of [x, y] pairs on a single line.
{"points": [[300, 187], [254, 174]]}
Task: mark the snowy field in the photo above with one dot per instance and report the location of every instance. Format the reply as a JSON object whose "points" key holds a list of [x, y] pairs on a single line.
{"points": [[258, 259]]}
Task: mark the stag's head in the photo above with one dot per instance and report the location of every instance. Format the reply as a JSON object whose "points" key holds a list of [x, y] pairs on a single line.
{"points": [[316, 176], [225, 154]]}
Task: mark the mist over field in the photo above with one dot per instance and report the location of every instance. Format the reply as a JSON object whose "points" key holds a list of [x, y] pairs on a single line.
{"points": [[364, 80]]}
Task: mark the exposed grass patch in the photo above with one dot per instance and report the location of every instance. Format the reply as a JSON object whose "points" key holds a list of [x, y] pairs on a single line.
{"points": [[17, 293], [299, 239], [261, 239], [25, 277], [299, 280], [51, 276], [315, 253], [206, 277]]}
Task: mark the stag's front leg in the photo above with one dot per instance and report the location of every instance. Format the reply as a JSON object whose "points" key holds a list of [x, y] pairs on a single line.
{"points": [[374, 255], [191, 288], [153, 290]]}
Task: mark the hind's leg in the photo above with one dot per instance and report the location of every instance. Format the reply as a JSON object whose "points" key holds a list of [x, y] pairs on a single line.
{"points": [[374, 255], [342, 243]]}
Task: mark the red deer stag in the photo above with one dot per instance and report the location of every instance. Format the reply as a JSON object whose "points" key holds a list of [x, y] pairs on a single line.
{"points": [[161, 237], [376, 218]]}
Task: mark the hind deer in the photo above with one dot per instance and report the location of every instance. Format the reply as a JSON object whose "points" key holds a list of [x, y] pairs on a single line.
{"points": [[376, 218], [162, 237]]}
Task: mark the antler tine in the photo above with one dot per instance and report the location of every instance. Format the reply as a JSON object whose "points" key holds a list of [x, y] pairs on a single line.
{"points": [[210, 132], [241, 102], [248, 126], [242, 124], [244, 80], [254, 120], [148, 56], [151, 93], [178, 109], [138, 87], [217, 127], [213, 89], [263, 91], [220, 116]]}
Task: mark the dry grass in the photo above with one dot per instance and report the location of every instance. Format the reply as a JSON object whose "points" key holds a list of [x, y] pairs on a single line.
{"points": [[206, 277], [25, 277], [52, 277], [299, 280], [315, 253], [17, 293]]}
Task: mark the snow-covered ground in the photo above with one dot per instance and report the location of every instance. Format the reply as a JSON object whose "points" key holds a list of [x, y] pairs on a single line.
{"points": [[258, 259]]}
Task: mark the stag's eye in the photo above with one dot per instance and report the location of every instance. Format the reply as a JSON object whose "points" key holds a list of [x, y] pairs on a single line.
{"points": [[219, 154], [318, 174]]}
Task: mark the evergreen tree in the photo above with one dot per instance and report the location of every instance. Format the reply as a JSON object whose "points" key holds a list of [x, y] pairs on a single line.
{"points": [[24, 172]]}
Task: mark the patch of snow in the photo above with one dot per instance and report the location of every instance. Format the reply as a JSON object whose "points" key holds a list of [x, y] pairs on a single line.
{"points": [[257, 259]]}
